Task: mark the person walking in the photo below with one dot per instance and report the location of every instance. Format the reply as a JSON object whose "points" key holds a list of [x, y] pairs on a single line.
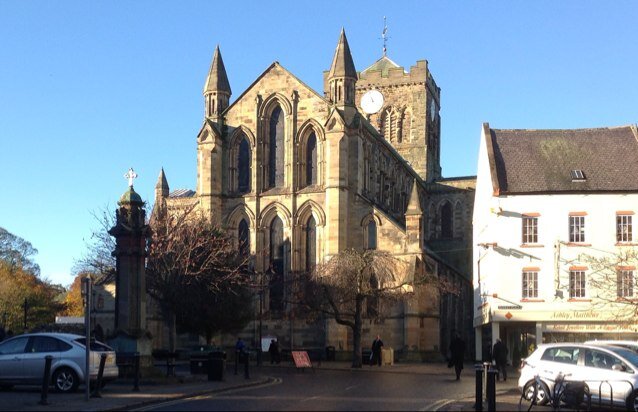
{"points": [[273, 350], [457, 354], [377, 344], [500, 357]]}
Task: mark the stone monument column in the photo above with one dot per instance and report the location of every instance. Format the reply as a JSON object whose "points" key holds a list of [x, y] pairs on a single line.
{"points": [[130, 233]]}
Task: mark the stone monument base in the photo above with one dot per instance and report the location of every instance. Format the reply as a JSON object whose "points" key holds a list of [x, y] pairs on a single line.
{"points": [[125, 347]]}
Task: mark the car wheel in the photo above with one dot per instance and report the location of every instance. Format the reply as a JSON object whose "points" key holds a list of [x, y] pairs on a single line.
{"points": [[632, 401], [541, 395], [65, 380]]}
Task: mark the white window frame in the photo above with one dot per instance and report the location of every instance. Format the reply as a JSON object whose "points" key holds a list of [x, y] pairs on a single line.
{"points": [[529, 284], [624, 226], [577, 284], [576, 229]]}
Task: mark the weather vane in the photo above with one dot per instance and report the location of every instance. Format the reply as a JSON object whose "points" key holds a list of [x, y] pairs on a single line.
{"points": [[384, 36], [130, 175]]}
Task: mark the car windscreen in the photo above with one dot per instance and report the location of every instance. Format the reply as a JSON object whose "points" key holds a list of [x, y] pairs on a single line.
{"points": [[95, 345], [628, 354]]}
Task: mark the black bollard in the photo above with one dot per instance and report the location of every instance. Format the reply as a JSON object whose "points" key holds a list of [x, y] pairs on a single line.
{"points": [[237, 355], [100, 372], [490, 388], [478, 402], [46, 380], [246, 364], [136, 377]]}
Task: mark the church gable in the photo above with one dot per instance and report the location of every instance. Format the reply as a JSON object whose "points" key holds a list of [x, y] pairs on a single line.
{"points": [[277, 83]]}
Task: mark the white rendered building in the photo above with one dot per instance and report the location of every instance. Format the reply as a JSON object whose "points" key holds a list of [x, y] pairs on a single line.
{"points": [[554, 248]]}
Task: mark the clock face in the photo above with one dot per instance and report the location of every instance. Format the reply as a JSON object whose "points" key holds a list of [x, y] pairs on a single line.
{"points": [[372, 101]]}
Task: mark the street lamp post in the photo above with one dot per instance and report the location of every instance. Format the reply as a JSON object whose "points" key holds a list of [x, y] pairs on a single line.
{"points": [[86, 293], [261, 312], [26, 306]]}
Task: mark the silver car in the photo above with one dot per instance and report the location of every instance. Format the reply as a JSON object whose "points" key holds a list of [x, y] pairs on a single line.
{"points": [[610, 372], [22, 360]]}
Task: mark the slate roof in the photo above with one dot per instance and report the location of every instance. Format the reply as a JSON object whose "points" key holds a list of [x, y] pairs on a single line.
{"points": [[532, 161], [182, 193], [384, 64]]}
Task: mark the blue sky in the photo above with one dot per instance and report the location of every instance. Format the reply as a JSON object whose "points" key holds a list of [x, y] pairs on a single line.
{"points": [[89, 89]]}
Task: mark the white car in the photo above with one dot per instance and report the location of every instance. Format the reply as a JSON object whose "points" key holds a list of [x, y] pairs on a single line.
{"points": [[22, 360], [629, 344], [608, 371]]}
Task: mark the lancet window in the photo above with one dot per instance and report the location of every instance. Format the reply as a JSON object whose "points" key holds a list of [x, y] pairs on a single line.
{"points": [[276, 148]]}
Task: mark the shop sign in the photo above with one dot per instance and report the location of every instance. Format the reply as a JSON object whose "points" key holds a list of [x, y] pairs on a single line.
{"points": [[590, 327], [555, 316]]}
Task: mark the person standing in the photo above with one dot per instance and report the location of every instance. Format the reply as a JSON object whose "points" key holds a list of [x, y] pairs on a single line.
{"points": [[377, 344], [457, 354], [500, 357], [273, 350], [240, 348]]}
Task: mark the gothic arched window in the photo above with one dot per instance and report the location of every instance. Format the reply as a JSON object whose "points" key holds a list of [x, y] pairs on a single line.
{"points": [[371, 235], [311, 244], [276, 149], [243, 166], [243, 235], [311, 160], [458, 220], [387, 127], [447, 223], [277, 264]]}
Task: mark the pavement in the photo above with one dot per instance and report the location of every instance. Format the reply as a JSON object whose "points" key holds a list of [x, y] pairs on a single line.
{"points": [[118, 395]]}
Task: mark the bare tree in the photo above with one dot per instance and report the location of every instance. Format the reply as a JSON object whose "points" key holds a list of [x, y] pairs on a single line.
{"points": [[356, 283], [98, 259], [188, 254], [612, 281]]}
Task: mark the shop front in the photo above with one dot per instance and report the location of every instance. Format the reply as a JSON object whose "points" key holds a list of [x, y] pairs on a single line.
{"points": [[522, 330]]}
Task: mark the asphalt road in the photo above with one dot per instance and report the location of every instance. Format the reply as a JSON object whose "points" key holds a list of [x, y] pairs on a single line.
{"points": [[335, 390]]}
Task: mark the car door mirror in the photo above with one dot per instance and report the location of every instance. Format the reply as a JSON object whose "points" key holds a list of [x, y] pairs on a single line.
{"points": [[618, 367]]}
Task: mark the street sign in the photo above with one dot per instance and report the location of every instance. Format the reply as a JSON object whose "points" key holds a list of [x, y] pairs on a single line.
{"points": [[301, 359]]}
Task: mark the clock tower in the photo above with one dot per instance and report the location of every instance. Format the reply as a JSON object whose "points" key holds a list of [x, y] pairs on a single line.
{"points": [[404, 107]]}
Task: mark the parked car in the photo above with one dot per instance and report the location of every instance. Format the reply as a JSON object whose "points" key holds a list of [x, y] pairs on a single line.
{"points": [[608, 371], [629, 344], [22, 360]]}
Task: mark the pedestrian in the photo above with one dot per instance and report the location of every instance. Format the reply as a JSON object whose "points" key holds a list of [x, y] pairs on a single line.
{"points": [[500, 357], [240, 348], [457, 354], [375, 357], [98, 332], [273, 350]]}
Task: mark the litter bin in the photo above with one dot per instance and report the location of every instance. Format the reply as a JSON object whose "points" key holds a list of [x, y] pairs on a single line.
{"points": [[366, 356], [216, 365], [387, 356], [198, 363], [330, 353]]}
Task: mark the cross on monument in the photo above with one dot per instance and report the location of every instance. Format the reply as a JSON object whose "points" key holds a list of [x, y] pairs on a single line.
{"points": [[130, 175]]}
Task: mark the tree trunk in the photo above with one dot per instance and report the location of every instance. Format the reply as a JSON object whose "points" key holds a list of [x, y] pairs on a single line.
{"points": [[171, 322], [356, 334]]}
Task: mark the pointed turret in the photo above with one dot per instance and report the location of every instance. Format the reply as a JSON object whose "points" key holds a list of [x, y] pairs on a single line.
{"points": [[217, 88], [413, 221], [414, 205], [161, 188], [342, 76]]}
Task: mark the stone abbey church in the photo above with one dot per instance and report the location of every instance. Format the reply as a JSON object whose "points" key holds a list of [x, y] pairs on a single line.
{"points": [[299, 175]]}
